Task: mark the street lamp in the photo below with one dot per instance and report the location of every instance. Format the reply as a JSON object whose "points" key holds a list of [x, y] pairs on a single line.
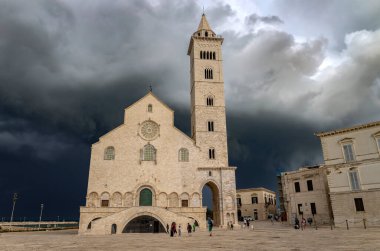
{"points": [[39, 224], [13, 209]]}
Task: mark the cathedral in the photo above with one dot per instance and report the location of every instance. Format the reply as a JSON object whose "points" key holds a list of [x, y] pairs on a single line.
{"points": [[146, 173]]}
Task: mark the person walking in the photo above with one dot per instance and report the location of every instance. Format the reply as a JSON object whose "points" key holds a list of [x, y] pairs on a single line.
{"points": [[167, 228], [179, 230], [194, 227], [303, 223], [296, 224], [173, 229], [188, 229], [210, 225]]}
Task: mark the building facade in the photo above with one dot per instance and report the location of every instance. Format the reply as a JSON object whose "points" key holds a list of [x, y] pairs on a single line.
{"points": [[146, 173], [352, 161], [304, 194], [257, 203]]}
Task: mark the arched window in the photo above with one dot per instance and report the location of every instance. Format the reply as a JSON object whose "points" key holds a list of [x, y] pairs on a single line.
{"points": [[213, 56], [208, 55], [206, 34], [201, 55], [113, 229], [209, 173], [145, 197], [210, 126], [109, 153], [148, 153], [105, 200], [210, 101], [150, 108], [183, 155], [211, 153], [204, 55]]}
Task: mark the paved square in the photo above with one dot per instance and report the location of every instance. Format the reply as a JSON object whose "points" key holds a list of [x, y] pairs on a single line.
{"points": [[264, 237]]}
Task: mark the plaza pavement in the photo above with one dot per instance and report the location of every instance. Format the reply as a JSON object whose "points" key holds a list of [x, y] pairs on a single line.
{"points": [[264, 236]]}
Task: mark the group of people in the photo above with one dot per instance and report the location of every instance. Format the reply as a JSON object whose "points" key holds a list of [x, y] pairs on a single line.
{"points": [[297, 223], [173, 229], [246, 223]]}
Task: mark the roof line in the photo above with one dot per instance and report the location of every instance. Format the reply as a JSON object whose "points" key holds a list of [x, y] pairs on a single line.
{"points": [[348, 129]]}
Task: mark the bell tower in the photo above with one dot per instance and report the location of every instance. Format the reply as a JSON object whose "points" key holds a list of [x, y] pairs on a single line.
{"points": [[208, 113]]}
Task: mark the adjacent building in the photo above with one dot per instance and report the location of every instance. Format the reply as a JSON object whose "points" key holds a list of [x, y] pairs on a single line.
{"points": [[146, 173], [352, 162], [346, 188], [304, 194], [257, 203]]}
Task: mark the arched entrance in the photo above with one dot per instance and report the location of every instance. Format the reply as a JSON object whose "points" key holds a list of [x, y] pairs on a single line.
{"points": [[210, 198], [89, 224], [145, 197], [144, 224]]}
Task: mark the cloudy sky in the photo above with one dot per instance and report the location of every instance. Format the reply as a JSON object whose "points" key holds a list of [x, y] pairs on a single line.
{"points": [[69, 68]]}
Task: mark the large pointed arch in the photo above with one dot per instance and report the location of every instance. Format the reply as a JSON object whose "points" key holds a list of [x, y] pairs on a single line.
{"points": [[216, 208]]}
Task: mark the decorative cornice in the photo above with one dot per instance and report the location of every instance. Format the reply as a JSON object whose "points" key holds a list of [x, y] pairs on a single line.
{"points": [[349, 129], [217, 168]]}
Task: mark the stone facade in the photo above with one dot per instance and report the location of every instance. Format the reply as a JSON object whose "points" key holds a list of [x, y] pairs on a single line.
{"points": [[352, 159], [346, 188], [304, 193], [148, 167], [257, 203]]}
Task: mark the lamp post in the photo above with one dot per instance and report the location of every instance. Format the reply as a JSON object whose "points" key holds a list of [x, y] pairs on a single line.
{"points": [[13, 209], [39, 224]]}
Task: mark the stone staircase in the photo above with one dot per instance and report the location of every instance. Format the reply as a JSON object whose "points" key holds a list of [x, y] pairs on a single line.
{"points": [[103, 226]]}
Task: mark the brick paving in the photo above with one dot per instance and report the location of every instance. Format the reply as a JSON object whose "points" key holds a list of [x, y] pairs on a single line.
{"points": [[264, 236]]}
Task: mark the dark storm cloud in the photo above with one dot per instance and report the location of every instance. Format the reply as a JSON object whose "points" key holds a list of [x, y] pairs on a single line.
{"points": [[69, 68], [254, 19], [333, 18]]}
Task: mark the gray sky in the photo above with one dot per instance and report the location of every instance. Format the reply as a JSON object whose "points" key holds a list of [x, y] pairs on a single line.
{"points": [[69, 68]]}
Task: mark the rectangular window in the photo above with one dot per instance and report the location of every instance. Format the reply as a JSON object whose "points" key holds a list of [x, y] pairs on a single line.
{"points": [[238, 200], [297, 187], [300, 210], [359, 204], [105, 203], [210, 126], [354, 180], [309, 185], [313, 208], [348, 153], [185, 203], [254, 200], [211, 153]]}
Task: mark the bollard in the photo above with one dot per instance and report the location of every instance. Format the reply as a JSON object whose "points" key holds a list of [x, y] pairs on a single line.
{"points": [[364, 223], [347, 224]]}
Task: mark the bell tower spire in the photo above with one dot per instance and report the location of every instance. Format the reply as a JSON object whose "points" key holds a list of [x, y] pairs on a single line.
{"points": [[208, 115]]}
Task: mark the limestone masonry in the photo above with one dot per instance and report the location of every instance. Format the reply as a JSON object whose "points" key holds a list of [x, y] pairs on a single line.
{"points": [[146, 173], [345, 190]]}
